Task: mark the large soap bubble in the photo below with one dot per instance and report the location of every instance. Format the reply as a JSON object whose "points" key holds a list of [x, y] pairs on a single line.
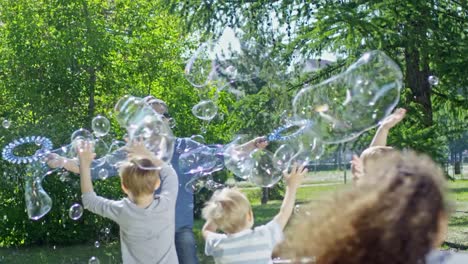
{"points": [[200, 65], [38, 202], [264, 172], [237, 158], [200, 162], [344, 106], [283, 155], [100, 126], [205, 110], [143, 123]]}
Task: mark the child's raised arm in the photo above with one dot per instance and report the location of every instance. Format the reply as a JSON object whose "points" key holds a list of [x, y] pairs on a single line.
{"points": [[380, 138], [293, 180], [86, 156]]}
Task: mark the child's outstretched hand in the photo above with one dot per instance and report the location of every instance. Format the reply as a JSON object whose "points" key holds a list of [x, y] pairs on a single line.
{"points": [[393, 119], [55, 161], [86, 152], [295, 177], [137, 149], [261, 142]]}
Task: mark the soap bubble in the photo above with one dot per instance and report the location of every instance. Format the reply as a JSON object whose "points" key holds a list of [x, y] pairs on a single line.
{"points": [[200, 65], [346, 105], [100, 126], [76, 211], [264, 173], [201, 161], [101, 149], [205, 110], [6, 124], [237, 157], [307, 148], [94, 260], [107, 231], [198, 138], [81, 134], [97, 244], [433, 80], [116, 153], [245, 65], [38, 202], [282, 156], [143, 123], [103, 174], [212, 185]]}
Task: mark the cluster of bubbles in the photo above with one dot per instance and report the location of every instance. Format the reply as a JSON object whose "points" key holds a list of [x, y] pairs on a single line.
{"points": [[333, 111], [233, 63], [336, 110], [144, 126]]}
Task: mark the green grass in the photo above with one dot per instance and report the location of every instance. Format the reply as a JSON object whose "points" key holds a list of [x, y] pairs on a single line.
{"points": [[110, 253]]}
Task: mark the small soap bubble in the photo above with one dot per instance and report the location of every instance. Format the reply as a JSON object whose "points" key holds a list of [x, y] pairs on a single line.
{"points": [[205, 110], [103, 174], [107, 231], [6, 124], [54, 247], [76, 211], [100, 126], [433, 80], [97, 244], [94, 260]]}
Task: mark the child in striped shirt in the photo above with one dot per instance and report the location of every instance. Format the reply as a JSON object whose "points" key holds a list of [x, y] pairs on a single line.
{"points": [[229, 211]]}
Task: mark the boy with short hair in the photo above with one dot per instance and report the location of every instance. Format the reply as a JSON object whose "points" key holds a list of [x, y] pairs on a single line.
{"points": [[147, 223], [230, 211]]}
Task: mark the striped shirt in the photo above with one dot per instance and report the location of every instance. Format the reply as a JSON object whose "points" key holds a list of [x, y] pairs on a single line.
{"points": [[446, 257], [245, 247]]}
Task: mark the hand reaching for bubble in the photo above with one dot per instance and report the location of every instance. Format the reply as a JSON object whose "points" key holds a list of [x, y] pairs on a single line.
{"points": [[55, 161], [86, 152], [294, 178], [261, 142], [393, 119], [137, 149]]}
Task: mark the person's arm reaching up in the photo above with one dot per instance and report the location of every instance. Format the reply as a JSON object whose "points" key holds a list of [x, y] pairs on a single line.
{"points": [[380, 138], [293, 181], [57, 161], [86, 155]]}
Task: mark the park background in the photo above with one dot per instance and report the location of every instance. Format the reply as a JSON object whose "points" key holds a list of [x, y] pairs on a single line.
{"points": [[64, 62]]}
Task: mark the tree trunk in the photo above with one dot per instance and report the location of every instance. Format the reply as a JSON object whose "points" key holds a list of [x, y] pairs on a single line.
{"points": [[417, 73], [264, 195], [92, 87]]}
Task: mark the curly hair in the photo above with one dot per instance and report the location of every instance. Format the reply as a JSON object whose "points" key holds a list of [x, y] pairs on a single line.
{"points": [[392, 217]]}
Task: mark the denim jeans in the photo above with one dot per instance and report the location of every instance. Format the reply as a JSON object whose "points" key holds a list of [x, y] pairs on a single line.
{"points": [[185, 246]]}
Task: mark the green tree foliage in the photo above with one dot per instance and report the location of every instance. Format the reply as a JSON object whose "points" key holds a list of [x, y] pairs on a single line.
{"points": [[426, 38], [61, 64]]}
